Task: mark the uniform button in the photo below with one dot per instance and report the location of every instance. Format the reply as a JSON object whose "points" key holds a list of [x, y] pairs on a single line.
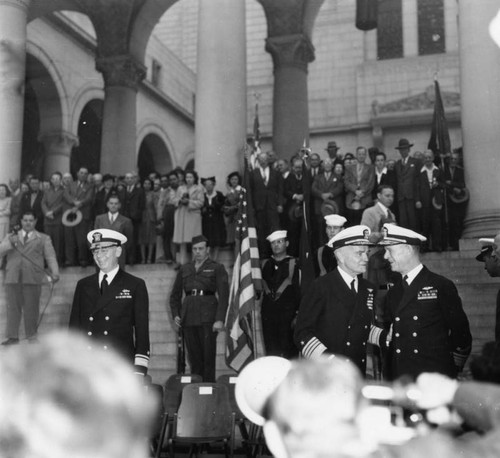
{"points": [[106, 318], [415, 317], [366, 327], [415, 351], [397, 318], [414, 334], [349, 327], [105, 333], [398, 350], [364, 343], [91, 318], [89, 333], [363, 360], [397, 334], [348, 343]]}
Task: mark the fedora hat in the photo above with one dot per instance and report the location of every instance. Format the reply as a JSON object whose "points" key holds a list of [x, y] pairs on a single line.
{"points": [[404, 143], [332, 145], [459, 197], [295, 211]]}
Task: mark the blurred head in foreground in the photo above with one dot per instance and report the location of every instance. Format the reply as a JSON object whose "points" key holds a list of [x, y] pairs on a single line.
{"points": [[310, 409], [59, 400]]}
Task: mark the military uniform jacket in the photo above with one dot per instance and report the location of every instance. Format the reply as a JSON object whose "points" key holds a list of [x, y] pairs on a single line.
{"points": [[118, 319], [430, 329], [281, 281], [333, 319], [197, 309]]}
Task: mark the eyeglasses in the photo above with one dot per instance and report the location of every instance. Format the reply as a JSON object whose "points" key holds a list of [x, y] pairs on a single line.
{"points": [[102, 249]]}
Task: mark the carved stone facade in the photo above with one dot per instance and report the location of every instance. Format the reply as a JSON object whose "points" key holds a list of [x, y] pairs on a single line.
{"points": [[290, 50], [121, 71]]}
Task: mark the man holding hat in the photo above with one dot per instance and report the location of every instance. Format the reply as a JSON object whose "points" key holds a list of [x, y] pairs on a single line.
{"points": [[336, 314], [281, 298], [201, 314], [325, 259], [407, 170], [112, 307], [429, 326]]}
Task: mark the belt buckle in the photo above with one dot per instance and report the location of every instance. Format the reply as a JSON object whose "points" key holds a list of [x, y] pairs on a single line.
{"points": [[194, 292]]}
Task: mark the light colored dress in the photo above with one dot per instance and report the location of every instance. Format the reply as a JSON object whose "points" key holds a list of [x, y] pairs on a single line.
{"points": [[187, 218], [4, 216]]}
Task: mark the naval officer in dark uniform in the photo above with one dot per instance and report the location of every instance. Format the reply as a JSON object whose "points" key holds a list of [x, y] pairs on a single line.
{"points": [[112, 307], [336, 313], [204, 285], [281, 298], [429, 326]]}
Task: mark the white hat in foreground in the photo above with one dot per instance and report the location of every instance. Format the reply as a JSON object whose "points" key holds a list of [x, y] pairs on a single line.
{"points": [[105, 235], [397, 235], [354, 235], [256, 382], [276, 235]]}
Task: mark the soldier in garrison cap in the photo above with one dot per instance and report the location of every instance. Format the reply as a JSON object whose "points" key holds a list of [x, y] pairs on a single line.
{"points": [[280, 302], [199, 301], [429, 326], [111, 307], [336, 314]]}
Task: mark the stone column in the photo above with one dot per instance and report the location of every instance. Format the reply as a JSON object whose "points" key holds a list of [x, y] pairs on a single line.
{"points": [[479, 87], [221, 116], [122, 76], [57, 146], [13, 15], [291, 55]]}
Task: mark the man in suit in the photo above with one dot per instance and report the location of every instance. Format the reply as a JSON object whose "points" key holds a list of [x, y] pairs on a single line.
{"points": [[52, 207], [407, 169], [78, 195], [383, 175], [294, 197], [111, 306], [455, 185], [326, 187], [267, 196], [27, 252], [336, 313], [133, 206], [204, 285], [359, 180], [32, 201], [429, 200], [101, 196], [430, 328], [115, 221]]}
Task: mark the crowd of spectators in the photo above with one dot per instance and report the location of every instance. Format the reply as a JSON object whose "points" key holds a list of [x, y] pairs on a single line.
{"points": [[162, 213]]}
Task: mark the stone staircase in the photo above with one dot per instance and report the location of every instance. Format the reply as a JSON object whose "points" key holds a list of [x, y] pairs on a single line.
{"points": [[477, 289]]}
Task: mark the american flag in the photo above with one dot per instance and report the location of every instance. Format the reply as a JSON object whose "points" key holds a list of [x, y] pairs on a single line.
{"points": [[246, 284]]}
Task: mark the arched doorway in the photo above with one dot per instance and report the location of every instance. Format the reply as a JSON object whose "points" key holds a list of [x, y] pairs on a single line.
{"points": [[88, 152], [153, 156]]}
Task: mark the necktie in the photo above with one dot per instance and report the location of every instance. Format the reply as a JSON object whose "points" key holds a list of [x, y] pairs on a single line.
{"points": [[405, 281], [26, 236], [111, 218], [353, 286], [104, 284]]}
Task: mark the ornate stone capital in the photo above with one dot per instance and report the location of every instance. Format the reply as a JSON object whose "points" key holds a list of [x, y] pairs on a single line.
{"points": [[58, 142], [121, 71], [21, 4], [290, 51]]}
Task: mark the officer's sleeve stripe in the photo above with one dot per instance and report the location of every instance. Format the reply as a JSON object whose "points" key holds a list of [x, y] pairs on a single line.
{"points": [[374, 336], [141, 360], [313, 349]]}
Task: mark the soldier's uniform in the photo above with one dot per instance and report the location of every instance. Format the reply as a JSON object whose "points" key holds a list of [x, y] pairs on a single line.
{"points": [[206, 294], [280, 303], [119, 317], [430, 329]]}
